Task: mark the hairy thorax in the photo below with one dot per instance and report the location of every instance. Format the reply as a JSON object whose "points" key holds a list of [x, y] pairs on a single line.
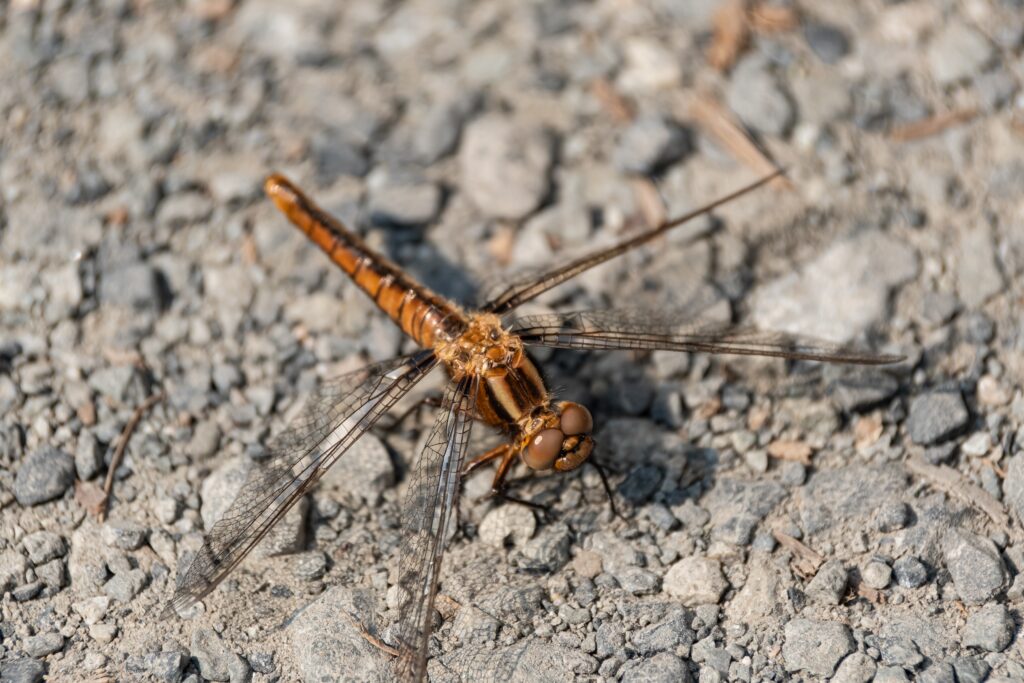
{"points": [[483, 349]]}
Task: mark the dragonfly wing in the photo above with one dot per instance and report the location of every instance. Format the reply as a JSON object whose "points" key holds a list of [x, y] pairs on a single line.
{"points": [[430, 505], [532, 285], [334, 417], [651, 330]]}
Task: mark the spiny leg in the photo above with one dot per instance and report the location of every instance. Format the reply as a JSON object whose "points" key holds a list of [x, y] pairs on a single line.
{"points": [[496, 452], [607, 487], [498, 483], [507, 455]]}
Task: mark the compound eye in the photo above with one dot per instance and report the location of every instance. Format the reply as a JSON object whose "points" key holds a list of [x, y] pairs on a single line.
{"points": [[576, 420], [544, 449]]}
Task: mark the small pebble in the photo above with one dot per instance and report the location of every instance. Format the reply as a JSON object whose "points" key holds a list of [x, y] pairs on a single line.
{"points": [[877, 575]]}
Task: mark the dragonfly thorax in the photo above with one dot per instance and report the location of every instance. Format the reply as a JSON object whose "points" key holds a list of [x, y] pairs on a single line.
{"points": [[485, 347]]}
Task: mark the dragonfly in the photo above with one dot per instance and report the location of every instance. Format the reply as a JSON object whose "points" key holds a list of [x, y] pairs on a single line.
{"points": [[492, 381]]}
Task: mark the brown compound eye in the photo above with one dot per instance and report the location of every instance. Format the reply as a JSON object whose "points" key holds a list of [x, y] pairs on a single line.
{"points": [[576, 420], [544, 449]]}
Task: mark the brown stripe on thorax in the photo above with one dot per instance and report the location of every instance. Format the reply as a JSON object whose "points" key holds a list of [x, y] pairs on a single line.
{"points": [[510, 393], [422, 314]]}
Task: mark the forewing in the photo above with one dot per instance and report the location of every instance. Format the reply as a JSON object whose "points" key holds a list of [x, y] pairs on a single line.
{"points": [[651, 330], [532, 285], [334, 417], [429, 507]]}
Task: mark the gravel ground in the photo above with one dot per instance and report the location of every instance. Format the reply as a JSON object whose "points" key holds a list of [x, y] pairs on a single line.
{"points": [[779, 521]]}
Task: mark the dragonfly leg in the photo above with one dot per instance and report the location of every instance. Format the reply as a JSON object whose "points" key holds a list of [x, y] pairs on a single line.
{"points": [[498, 483], [501, 451], [607, 487]]}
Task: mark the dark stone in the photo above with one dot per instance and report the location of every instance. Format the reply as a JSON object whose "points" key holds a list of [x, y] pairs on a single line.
{"points": [[46, 474]]}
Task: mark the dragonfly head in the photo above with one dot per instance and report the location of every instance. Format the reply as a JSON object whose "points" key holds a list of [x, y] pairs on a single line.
{"points": [[565, 443]]}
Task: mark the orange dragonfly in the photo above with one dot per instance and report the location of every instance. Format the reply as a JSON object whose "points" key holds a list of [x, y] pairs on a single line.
{"points": [[493, 381]]}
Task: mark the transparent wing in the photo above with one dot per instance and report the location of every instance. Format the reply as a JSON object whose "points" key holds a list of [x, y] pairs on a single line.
{"points": [[333, 419], [430, 505], [532, 285], [650, 330]]}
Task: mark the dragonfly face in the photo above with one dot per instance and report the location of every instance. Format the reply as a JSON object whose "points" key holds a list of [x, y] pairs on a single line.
{"points": [[560, 439]]}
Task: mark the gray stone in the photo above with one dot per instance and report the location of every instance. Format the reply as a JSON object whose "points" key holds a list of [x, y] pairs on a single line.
{"points": [[44, 475], [125, 586], [890, 674], [991, 628], [124, 535], [977, 275], [665, 635], [217, 661], [847, 495], [88, 456], [310, 566], [662, 667], [816, 647], [508, 524], [43, 546], [935, 416], [134, 285], [910, 572], [642, 483], [28, 591], [549, 550], [638, 581], [695, 580], [856, 668], [892, 516], [92, 610], [877, 575], [114, 382], [970, 669], [941, 672], [860, 271], [758, 99], [22, 671], [166, 667], [226, 376], [829, 585], [404, 204], [649, 144], [1013, 485], [975, 565], [437, 130], [205, 440], [333, 157], [43, 644], [473, 625], [864, 390], [324, 641], [958, 52], [826, 41], [183, 208], [610, 639], [505, 166], [368, 473]]}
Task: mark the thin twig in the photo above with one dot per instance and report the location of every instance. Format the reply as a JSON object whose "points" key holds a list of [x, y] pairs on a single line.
{"points": [[953, 483], [931, 125], [720, 124], [370, 638], [122, 444]]}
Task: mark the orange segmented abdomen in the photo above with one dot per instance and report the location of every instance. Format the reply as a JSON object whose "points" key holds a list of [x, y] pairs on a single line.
{"points": [[422, 314]]}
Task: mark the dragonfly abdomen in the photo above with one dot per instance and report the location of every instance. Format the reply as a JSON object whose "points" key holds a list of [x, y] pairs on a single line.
{"points": [[421, 314]]}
